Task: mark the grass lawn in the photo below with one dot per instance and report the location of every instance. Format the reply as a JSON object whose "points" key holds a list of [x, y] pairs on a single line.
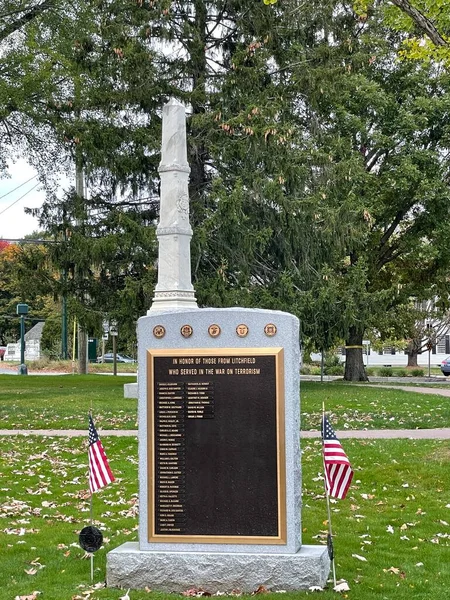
{"points": [[396, 517], [362, 407], [62, 402]]}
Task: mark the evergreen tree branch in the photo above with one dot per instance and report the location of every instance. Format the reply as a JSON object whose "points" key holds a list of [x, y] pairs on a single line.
{"points": [[24, 19]]}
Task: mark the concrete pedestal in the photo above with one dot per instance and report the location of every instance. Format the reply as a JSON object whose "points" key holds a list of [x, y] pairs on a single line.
{"points": [[128, 567]]}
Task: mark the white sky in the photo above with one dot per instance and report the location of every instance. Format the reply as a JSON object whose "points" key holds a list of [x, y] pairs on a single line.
{"points": [[14, 223]]}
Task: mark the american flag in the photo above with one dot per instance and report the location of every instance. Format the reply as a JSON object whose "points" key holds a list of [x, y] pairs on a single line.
{"points": [[100, 473], [338, 471]]}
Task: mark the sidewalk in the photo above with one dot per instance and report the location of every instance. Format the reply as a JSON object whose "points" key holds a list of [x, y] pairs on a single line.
{"points": [[375, 434]]}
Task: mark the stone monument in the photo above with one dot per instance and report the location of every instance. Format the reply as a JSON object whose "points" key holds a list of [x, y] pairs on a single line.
{"points": [[219, 429]]}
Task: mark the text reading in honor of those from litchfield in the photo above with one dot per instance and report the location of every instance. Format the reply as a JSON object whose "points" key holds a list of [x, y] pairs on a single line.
{"points": [[215, 442]]}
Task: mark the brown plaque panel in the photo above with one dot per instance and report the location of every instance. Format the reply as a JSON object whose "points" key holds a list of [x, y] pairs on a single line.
{"points": [[216, 446]]}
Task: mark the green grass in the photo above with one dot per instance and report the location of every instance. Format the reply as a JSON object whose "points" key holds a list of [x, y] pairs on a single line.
{"points": [[363, 407], [63, 402], [46, 365], [399, 486]]}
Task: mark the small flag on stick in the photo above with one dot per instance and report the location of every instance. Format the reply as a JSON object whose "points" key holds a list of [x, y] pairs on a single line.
{"points": [[338, 471], [100, 473]]}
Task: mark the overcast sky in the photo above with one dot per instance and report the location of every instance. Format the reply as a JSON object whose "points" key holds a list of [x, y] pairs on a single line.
{"points": [[14, 223]]}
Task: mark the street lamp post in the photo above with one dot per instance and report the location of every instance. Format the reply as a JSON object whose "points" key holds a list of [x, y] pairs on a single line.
{"points": [[113, 333], [22, 310]]}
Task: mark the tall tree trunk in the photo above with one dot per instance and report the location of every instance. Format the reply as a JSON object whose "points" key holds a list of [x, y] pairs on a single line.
{"points": [[197, 152], [354, 364], [82, 351], [412, 359], [413, 351]]}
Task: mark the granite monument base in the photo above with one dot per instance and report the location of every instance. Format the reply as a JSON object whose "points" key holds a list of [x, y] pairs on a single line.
{"points": [[130, 390], [128, 567]]}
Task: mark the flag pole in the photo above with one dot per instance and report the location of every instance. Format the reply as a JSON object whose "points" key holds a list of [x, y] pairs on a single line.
{"points": [[91, 512], [330, 529]]}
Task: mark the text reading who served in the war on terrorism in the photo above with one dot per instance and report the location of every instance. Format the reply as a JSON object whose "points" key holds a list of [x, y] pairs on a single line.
{"points": [[215, 450]]}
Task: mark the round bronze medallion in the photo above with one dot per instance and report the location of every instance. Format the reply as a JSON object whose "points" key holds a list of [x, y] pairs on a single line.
{"points": [[214, 330], [242, 330], [159, 331], [270, 329], [186, 331]]}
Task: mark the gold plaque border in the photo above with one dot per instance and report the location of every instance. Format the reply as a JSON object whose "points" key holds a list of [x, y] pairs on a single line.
{"points": [[281, 538]]}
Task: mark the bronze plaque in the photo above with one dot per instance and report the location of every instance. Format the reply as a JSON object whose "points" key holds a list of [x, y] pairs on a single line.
{"points": [[216, 468], [186, 331], [159, 331], [242, 330], [270, 329], [214, 330]]}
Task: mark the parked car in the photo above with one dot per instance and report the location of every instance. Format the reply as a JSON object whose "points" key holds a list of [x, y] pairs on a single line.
{"points": [[120, 358], [445, 366]]}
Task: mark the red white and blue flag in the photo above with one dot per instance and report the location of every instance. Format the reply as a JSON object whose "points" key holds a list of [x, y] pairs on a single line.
{"points": [[338, 471], [100, 473]]}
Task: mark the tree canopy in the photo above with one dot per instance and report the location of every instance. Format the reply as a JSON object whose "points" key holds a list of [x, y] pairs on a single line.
{"points": [[319, 174]]}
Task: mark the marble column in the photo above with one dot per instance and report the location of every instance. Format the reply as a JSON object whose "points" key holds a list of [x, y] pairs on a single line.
{"points": [[174, 289]]}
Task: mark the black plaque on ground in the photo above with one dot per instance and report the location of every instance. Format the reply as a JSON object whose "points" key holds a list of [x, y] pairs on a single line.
{"points": [[216, 446]]}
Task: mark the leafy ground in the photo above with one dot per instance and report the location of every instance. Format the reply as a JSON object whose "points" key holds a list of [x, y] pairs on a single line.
{"points": [[62, 402], [396, 515], [363, 407], [390, 532], [45, 365]]}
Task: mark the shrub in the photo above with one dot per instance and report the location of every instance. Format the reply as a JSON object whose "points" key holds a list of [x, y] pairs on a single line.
{"points": [[331, 360], [336, 370], [371, 371], [417, 372], [401, 373], [385, 372], [305, 370]]}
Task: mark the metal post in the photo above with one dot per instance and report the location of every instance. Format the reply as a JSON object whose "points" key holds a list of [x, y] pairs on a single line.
{"points": [[114, 338], [22, 310], [64, 327], [429, 363], [23, 370]]}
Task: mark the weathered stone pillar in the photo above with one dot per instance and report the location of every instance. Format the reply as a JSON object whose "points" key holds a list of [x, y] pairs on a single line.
{"points": [[174, 289]]}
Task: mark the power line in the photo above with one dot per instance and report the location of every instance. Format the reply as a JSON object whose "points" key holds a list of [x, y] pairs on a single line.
{"points": [[19, 186], [18, 199]]}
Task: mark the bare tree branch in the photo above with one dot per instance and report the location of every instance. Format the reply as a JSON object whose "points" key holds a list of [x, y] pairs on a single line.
{"points": [[421, 21]]}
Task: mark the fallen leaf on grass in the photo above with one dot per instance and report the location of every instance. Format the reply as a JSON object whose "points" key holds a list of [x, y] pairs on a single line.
{"points": [[341, 586], [368, 496], [359, 557], [126, 597], [261, 589], [196, 592], [31, 571], [390, 529], [31, 596], [315, 588]]}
